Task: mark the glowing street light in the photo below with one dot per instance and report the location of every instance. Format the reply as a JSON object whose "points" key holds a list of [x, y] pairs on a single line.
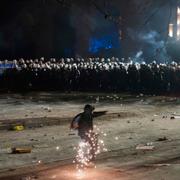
{"points": [[171, 28], [178, 10], [178, 22]]}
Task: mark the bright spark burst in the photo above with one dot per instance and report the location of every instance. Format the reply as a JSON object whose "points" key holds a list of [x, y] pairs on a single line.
{"points": [[84, 156], [80, 174]]}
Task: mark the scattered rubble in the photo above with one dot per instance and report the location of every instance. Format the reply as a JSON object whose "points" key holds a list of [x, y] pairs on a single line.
{"points": [[164, 129], [21, 150], [40, 146], [157, 165], [97, 99], [149, 143], [162, 139], [47, 109], [175, 116], [18, 128], [11, 169], [145, 147]]}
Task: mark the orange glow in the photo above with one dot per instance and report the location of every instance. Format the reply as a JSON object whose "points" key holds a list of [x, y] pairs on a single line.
{"points": [[171, 30], [178, 23]]}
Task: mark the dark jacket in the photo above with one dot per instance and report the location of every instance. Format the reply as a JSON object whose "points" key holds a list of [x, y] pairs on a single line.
{"points": [[85, 122]]}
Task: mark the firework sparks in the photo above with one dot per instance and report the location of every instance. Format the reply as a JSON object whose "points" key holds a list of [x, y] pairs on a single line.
{"points": [[84, 150], [57, 148], [83, 155], [39, 162], [80, 174], [116, 138], [53, 177]]}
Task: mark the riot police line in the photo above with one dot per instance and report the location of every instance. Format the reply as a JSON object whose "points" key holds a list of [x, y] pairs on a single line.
{"points": [[89, 75]]}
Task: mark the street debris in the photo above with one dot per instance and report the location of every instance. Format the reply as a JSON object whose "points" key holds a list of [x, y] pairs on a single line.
{"points": [[40, 146], [161, 165], [18, 128], [164, 117], [157, 165], [21, 150], [162, 139], [47, 109], [145, 147], [97, 99], [149, 143], [175, 117], [33, 140], [11, 169], [72, 133]]}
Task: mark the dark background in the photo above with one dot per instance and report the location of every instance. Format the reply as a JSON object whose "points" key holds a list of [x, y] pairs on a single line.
{"points": [[80, 28]]}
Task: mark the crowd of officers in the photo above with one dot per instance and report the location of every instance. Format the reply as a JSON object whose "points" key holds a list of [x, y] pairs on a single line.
{"points": [[90, 75]]}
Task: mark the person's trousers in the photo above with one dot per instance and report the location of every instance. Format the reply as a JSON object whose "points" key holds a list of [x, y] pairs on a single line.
{"points": [[92, 139]]}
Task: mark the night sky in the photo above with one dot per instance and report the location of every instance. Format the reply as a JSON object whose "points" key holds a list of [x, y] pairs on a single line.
{"points": [[35, 28]]}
